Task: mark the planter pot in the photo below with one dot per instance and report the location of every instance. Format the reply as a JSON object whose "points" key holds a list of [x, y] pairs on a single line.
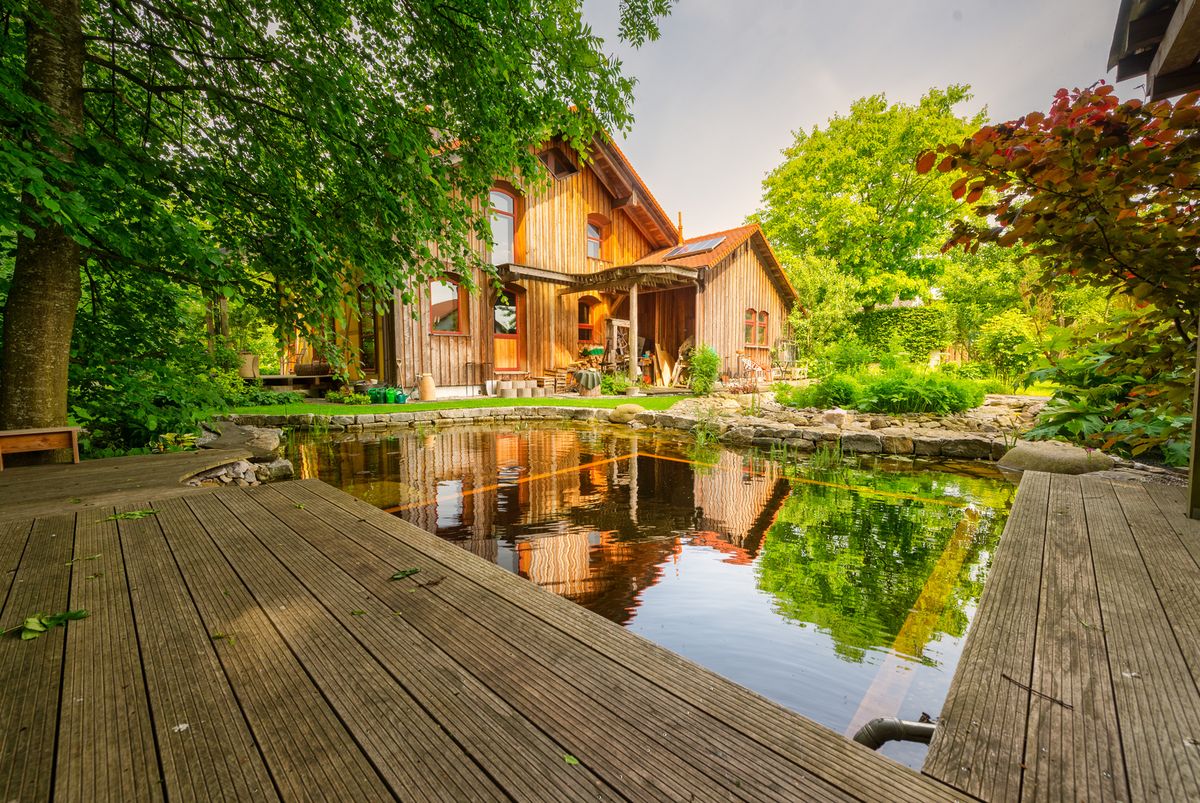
{"points": [[249, 365], [428, 387]]}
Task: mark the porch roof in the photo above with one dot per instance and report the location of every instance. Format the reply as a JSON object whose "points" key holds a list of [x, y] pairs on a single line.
{"points": [[622, 277]]}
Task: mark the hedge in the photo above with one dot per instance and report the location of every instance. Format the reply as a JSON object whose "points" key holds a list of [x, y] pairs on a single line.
{"points": [[919, 330]]}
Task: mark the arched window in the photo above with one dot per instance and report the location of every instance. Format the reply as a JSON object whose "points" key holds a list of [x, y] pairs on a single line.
{"points": [[597, 236], [504, 226], [751, 333], [447, 307], [587, 321], [762, 327]]}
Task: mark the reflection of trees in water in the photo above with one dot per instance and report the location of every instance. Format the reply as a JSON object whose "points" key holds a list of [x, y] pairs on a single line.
{"points": [[854, 564]]}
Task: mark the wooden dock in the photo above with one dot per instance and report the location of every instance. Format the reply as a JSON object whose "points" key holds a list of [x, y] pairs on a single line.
{"points": [[1080, 677], [250, 644]]}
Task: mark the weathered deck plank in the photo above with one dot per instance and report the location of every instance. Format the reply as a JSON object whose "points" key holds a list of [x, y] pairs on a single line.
{"points": [[979, 744], [1071, 740], [834, 763], [32, 670], [105, 745]]}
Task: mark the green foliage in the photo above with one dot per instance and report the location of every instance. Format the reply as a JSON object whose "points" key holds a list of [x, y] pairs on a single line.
{"points": [[846, 355], [40, 623], [705, 365], [827, 302], [849, 193], [918, 330], [903, 390], [290, 155], [1092, 406], [347, 396], [614, 384], [907, 391], [1008, 344]]}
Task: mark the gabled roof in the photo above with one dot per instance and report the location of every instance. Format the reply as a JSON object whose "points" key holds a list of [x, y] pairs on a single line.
{"points": [[630, 193], [733, 239]]}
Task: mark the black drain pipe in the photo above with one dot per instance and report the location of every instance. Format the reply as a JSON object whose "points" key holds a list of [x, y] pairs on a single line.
{"points": [[881, 730]]}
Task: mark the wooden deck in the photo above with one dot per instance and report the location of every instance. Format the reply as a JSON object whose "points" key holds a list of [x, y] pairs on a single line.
{"points": [[1080, 677], [28, 491], [248, 644]]}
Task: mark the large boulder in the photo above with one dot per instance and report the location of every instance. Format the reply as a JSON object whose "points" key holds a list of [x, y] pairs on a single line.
{"points": [[1055, 457], [624, 413], [264, 444]]}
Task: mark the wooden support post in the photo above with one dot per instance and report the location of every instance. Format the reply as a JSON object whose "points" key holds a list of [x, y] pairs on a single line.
{"points": [[634, 353], [1194, 464]]}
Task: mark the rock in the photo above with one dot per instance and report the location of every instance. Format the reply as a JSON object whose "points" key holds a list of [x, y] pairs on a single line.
{"points": [[275, 470], [927, 444], [837, 418], [967, 447], [624, 413], [895, 441], [861, 443], [264, 444], [1055, 457]]}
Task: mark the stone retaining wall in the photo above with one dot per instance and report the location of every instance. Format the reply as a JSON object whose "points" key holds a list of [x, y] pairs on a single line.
{"points": [[734, 430]]}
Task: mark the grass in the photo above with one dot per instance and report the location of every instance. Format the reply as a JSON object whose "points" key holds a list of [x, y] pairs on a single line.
{"points": [[318, 408], [1039, 389]]}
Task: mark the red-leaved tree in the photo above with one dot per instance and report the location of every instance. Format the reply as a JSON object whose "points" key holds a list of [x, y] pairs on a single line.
{"points": [[1106, 193]]}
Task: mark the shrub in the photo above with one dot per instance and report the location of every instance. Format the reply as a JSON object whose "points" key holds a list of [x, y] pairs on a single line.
{"points": [[705, 364], [838, 390], [614, 384], [257, 396], [845, 356], [919, 392], [919, 330]]}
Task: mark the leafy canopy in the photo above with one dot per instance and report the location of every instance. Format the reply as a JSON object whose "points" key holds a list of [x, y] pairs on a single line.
{"points": [[288, 153], [849, 192]]}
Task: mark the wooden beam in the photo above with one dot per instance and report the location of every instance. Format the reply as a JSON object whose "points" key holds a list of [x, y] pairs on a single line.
{"points": [[1179, 47], [1194, 465], [634, 353], [1176, 83], [1148, 30], [1135, 65]]}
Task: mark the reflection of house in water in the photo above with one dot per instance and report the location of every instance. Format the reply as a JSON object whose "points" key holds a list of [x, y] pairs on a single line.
{"points": [[583, 515]]}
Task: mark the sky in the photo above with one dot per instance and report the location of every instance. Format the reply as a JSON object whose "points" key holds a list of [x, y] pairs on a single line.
{"points": [[720, 94]]}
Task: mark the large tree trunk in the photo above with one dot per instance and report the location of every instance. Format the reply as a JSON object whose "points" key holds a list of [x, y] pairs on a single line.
{"points": [[39, 314]]}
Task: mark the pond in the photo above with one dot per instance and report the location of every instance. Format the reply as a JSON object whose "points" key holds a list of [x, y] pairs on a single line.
{"points": [[841, 589]]}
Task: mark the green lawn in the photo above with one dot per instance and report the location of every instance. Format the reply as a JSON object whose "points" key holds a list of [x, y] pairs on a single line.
{"points": [[320, 408]]}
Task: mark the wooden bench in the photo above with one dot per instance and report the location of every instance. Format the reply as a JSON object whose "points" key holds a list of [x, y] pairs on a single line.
{"points": [[39, 440]]}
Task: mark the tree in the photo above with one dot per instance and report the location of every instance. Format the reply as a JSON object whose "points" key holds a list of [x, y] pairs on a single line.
{"points": [[290, 154], [1105, 194], [849, 192]]}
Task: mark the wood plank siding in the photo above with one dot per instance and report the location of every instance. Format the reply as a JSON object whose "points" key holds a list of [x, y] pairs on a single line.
{"points": [[736, 284]]}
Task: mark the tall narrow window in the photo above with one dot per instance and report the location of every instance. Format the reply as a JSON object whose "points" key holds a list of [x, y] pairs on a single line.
{"points": [[762, 327], [366, 334], [504, 227], [751, 332], [594, 240], [447, 308], [597, 236], [587, 324]]}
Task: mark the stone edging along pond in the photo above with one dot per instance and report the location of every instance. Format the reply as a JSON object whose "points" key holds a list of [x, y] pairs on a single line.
{"points": [[854, 437]]}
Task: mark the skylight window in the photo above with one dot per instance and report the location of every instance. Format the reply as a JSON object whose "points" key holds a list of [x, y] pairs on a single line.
{"points": [[698, 247]]}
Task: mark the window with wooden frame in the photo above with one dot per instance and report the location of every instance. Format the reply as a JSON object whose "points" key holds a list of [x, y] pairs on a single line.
{"points": [[750, 334], [587, 322], [447, 307], [504, 226], [762, 327], [597, 237]]}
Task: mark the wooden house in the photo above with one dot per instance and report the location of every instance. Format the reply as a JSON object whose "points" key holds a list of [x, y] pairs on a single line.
{"points": [[592, 245]]}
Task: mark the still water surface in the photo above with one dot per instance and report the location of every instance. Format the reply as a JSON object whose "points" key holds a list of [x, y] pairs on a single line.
{"points": [[843, 592]]}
